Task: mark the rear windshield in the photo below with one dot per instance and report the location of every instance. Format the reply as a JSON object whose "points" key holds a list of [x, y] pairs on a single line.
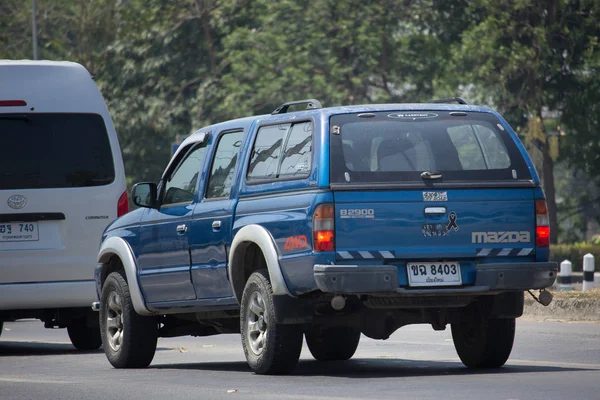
{"points": [[40, 151], [401, 146]]}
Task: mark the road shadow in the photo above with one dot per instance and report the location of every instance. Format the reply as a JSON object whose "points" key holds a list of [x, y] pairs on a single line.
{"points": [[18, 348], [375, 368]]}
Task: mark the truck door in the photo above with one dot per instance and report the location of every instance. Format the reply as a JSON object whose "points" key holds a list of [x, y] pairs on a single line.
{"points": [[164, 258], [212, 220]]}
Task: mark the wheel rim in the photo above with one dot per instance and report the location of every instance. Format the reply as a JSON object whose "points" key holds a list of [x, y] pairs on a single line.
{"points": [[256, 323], [114, 321]]}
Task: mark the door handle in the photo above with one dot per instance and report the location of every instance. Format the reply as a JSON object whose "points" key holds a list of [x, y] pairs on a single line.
{"points": [[182, 228], [435, 210], [216, 224]]}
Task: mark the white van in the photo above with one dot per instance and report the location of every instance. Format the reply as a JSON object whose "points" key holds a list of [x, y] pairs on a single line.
{"points": [[61, 182]]}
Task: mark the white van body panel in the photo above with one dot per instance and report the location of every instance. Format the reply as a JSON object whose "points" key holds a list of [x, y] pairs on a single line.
{"points": [[60, 263]]}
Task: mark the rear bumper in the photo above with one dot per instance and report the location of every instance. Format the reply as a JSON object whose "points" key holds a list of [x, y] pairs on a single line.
{"points": [[384, 279], [23, 296]]}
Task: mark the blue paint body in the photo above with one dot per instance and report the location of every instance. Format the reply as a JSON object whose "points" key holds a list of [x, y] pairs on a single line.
{"points": [[188, 271]]}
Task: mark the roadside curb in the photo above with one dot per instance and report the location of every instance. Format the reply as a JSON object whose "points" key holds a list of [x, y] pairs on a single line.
{"points": [[563, 309]]}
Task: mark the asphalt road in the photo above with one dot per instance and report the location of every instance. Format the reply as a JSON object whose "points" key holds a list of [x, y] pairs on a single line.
{"points": [[550, 360]]}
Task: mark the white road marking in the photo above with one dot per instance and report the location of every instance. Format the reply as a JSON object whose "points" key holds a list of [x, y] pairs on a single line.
{"points": [[43, 381]]}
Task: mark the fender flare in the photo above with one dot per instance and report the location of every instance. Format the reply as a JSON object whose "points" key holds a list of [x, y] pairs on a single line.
{"points": [[116, 246], [262, 238]]}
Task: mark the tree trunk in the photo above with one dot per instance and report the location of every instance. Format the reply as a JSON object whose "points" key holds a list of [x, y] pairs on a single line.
{"points": [[204, 14], [548, 184]]}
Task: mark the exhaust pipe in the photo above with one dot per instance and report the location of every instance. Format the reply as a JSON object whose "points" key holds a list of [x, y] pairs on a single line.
{"points": [[338, 302]]}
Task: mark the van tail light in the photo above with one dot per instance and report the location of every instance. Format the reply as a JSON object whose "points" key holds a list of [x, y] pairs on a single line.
{"points": [[123, 204], [542, 224], [13, 103], [323, 232]]}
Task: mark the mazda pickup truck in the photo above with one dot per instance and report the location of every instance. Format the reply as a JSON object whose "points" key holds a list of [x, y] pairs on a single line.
{"points": [[328, 224]]}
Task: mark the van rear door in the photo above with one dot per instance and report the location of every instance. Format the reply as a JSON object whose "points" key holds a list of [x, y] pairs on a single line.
{"points": [[429, 191], [57, 194]]}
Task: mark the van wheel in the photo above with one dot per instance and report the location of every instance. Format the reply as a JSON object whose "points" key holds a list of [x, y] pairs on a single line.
{"points": [[332, 344], [129, 339], [484, 342], [83, 336], [270, 348]]}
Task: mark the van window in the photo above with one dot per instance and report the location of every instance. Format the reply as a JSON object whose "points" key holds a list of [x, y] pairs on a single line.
{"points": [[399, 147], [58, 150]]}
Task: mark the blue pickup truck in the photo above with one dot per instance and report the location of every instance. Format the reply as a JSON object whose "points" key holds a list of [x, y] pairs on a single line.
{"points": [[329, 223]]}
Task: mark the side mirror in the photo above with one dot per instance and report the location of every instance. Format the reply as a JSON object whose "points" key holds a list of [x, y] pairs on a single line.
{"points": [[144, 194]]}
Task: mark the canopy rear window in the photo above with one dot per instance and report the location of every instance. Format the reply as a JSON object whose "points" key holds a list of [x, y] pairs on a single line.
{"points": [[57, 150], [398, 147]]}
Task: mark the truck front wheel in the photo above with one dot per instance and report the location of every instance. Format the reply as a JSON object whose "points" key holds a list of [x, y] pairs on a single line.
{"points": [[129, 339], [270, 348], [484, 342]]}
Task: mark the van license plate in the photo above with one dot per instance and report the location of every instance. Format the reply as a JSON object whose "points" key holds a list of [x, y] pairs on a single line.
{"points": [[434, 274], [19, 232]]}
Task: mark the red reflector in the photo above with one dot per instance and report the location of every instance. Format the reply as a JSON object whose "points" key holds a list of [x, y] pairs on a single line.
{"points": [[541, 207], [12, 103], [123, 204], [542, 236], [324, 211], [323, 240]]}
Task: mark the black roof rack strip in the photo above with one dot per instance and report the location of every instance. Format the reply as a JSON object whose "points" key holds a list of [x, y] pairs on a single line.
{"points": [[311, 104], [450, 100]]}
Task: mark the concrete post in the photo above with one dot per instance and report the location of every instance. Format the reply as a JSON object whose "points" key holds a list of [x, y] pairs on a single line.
{"points": [[564, 278], [588, 272]]}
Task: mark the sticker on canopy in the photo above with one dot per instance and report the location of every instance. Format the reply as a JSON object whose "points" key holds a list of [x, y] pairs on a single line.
{"points": [[413, 115], [435, 196], [441, 229]]}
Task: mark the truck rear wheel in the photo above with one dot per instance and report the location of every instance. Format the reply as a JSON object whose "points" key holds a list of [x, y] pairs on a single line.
{"points": [[484, 342], [129, 339], [332, 344], [270, 348]]}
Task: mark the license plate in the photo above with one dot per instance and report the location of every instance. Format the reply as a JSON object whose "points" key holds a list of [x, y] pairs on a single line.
{"points": [[434, 274], [19, 232]]}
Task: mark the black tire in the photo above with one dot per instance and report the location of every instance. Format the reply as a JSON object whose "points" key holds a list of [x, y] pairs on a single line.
{"points": [[1, 327], [279, 350], [484, 342], [332, 344], [129, 341], [83, 336]]}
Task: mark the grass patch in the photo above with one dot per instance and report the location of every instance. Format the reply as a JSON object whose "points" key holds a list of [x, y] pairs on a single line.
{"points": [[576, 294]]}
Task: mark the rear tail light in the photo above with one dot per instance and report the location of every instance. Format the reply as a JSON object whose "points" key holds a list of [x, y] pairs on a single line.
{"points": [[123, 204], [542, 228], [323, 232], [13, 103]]}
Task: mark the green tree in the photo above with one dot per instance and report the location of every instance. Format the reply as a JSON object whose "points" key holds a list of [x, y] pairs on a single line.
{"points": [[67, 30], [338, 52]]}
